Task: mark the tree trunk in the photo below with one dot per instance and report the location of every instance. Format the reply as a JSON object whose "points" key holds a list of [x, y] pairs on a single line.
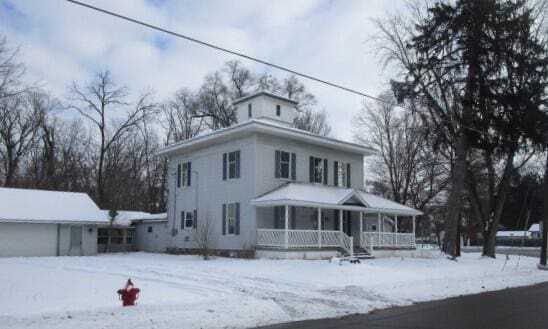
{"points": [[545, 217], [455, 198]]}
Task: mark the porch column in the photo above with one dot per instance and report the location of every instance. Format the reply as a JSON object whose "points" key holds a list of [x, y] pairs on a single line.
{"points": [[379, 228], [414, 228], [340, 226], [396, 228], [319, 227], [286, 215], [361, 229]]}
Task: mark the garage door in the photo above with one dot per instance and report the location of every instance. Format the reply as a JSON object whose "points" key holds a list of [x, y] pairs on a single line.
{"points": [[18, 239]]}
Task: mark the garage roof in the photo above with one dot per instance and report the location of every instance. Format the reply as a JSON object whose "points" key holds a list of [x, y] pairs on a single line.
{"points": [[40, 206]]}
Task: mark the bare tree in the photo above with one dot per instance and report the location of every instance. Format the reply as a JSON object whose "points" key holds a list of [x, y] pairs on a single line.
{"points": [[206, 237], [105, 105], [180, 119], [11, 71], [408, 170], [20, 120], [313, 121]]}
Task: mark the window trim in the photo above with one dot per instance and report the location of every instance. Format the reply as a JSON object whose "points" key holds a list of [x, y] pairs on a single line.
{"points": [[235, 162], [228, 218], [185, 220], [342, 169], [288, 165], [322, 175]]}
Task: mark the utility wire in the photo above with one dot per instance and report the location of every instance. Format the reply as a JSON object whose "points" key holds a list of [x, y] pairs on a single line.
{"points": [[232, 52]]}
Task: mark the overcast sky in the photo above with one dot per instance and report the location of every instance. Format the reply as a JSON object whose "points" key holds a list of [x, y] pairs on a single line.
{"points": [[61, 42]]}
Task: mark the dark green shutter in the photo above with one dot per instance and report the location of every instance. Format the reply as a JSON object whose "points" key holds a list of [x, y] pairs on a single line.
{"points": [[224, 218], [311, 169], [293, 166], [325, 171], [238, 164], [179, 175], [335, 173], [188, 173], [182, 220], [224, 165], [348, 175], [237, 228], [277, 164], [336, 223], [195, 223]]}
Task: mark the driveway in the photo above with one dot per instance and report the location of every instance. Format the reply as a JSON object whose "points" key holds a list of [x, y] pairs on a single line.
{"points": [[516, 308]]}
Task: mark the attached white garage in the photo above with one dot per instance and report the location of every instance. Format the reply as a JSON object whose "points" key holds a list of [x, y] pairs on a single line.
{"points": [[48, 223]]}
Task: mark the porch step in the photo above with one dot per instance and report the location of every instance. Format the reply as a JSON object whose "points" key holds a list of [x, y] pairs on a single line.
{"points": [[361, 253]]}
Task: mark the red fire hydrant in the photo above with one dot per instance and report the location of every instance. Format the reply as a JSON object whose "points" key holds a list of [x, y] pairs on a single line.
{"points": [[129, 294]]}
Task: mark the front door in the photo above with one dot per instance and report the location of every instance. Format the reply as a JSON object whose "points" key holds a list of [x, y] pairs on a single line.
{"points": [[75, 246], [347, 223]]}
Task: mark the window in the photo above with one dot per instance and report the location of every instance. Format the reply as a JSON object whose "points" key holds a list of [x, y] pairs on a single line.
{"points": [[231, 165], [278, 110], [341, 174], [149, 229], [279, 217], [285, 163], [116, 236], [184, 171], [249, 110], [373, 227], [231, 219], [318, 170], [129, 237], [102, 236], [187, 220]]}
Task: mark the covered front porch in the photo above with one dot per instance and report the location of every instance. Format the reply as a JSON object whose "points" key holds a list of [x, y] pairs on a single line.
{"points": [[310, 217]]}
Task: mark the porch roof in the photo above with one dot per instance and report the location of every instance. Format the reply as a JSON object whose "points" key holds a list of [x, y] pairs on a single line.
{"points": [[321, 196]]}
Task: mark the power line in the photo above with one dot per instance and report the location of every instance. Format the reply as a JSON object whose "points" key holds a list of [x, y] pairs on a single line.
{"points": [[232, 52]]}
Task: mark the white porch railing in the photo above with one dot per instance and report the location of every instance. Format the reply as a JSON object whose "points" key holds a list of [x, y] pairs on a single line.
{"points": [[387, 239], [275, 238]]}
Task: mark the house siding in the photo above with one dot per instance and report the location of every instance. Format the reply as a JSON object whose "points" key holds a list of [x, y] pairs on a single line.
{"points": [[213, 191], [257, 176], [32, 240]]}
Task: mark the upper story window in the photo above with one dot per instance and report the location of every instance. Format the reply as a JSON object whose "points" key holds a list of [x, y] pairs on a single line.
{"points": [[231, 218], [278, 110], [249, 110], [183, 174], [318, 170], [231, 165], [285, 165], [341, 174]]}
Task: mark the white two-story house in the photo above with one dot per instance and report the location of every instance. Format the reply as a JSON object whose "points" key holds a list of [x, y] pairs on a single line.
{"points": [[270, 189]]}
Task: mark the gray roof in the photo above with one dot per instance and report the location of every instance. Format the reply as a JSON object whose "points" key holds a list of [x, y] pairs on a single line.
{"points": [[265, 93]]}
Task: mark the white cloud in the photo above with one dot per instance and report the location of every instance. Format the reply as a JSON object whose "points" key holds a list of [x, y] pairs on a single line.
{"points": [[61, 42]]}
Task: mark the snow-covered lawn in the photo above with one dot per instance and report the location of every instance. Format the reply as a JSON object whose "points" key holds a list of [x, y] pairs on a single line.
{"points": [[186, 292]]}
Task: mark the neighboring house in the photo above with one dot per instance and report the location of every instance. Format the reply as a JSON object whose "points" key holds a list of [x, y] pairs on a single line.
{"points": [[48, 223], [536, 230], [132, 231], [267, 187]]}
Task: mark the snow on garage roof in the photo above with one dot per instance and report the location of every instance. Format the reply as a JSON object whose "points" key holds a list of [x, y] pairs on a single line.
{"points": [[126, 218], [534, 227], [40, 206], [312, 195]]}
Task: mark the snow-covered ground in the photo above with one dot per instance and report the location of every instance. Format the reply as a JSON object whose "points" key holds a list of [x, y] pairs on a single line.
{"points": [[186, 292]]}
